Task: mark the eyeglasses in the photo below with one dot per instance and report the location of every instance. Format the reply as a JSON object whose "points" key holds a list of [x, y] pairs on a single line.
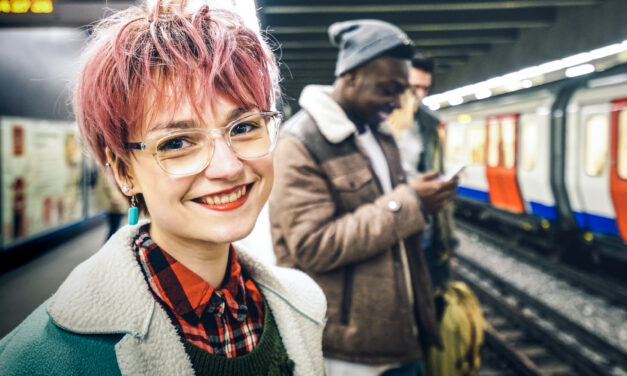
{"points": [[189, 151]]}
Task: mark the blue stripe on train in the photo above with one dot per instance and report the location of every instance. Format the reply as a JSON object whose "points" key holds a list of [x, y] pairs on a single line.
{"points": [[473, 193], [596, 223], [543, 211]]}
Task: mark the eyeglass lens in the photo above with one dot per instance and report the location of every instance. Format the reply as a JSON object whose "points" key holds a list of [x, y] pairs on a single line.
{"points": [[190, 151]]}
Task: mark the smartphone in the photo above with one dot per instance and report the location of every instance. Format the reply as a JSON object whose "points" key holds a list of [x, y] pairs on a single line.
{"points": [[454, 172]]}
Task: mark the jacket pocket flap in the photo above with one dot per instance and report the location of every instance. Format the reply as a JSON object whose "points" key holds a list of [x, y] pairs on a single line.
{"points": [[352, 181]]}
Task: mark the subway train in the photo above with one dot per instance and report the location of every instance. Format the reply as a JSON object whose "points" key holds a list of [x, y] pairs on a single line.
{"points": [[549, 161]]}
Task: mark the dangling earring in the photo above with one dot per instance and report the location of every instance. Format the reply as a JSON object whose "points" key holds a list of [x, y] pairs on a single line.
{"points": [[133, 212]]}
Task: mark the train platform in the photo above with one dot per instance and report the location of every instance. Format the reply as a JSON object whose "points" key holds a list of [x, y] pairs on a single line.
{"points": [[26, 286], [532, 322]]}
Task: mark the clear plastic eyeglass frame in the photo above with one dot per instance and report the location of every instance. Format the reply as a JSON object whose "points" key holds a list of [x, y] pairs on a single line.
{"points": [[186, 152]]}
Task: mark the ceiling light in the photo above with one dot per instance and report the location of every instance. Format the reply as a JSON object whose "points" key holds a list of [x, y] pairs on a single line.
{"points": [[483, 93], [513, 85], [434, 106], [608, 50], [579, 70], [454, 101], [526, 84], [581, 58], [248, 11], [551, 66]]}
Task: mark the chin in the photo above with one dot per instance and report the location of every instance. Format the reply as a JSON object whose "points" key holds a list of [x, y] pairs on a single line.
{"points": [[229, 233]]}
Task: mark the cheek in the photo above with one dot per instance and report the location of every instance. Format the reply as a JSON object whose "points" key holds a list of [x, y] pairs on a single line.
{"points": [[264, 168], [157, 187]]}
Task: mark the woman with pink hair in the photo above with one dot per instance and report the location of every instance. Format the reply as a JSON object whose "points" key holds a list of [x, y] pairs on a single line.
{"points": [[175, 101]]}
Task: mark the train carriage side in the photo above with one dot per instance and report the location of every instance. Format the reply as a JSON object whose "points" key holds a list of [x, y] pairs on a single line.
{"points": [[514, 168], [595, 148]]}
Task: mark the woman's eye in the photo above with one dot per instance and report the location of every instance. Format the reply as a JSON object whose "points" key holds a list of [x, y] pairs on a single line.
{"points": [[174, 144], [243, 128]]}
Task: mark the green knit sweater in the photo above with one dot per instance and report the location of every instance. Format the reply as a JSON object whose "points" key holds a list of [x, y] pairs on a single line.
{"points": [[267, 358]]}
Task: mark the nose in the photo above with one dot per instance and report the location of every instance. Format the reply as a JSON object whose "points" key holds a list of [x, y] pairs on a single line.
{"points": [[224, 165]]}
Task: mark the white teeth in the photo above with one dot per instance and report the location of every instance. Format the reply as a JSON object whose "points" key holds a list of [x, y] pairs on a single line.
{"points": [[224, 199]]}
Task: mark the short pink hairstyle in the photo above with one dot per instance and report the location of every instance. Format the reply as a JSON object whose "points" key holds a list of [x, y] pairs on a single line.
{"points": [[166, 52]]}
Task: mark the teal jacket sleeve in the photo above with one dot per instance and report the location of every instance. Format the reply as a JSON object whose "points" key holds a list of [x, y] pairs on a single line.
{"points": [[39, 347]]}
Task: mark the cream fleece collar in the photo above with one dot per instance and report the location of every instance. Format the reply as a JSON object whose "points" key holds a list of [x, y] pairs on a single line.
{"points": [[329, 117]]}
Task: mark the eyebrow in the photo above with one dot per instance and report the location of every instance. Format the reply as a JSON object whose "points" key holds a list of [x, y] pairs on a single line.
{"points": [[191, 123]]}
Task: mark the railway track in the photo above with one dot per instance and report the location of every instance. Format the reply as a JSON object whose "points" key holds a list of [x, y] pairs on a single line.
{"points": [[614, 292], [532, 338]]}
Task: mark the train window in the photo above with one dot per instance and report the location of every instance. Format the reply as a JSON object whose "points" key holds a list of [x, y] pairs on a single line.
{"points": [[493, 142], [454, 144], [622, 144], [529, 144], [596, 131], [508, 141], [476, 144]]}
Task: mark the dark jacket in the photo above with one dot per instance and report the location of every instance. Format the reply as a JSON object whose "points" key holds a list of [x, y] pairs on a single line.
{"points": [[330, 218], [431, 159]]}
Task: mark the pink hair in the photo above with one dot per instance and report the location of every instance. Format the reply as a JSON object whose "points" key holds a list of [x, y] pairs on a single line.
{"points": [[165, 54]]}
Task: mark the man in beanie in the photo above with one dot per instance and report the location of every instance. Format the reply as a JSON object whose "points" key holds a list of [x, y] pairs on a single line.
{"points": [[422, 152], [343, 211]]}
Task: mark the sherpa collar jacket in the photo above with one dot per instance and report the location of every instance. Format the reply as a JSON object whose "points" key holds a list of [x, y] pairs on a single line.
{"points": [[104, 320], [330, 218]]}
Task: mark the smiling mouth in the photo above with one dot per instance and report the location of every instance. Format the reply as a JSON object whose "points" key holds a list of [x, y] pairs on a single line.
{"points": [[226, 200]]}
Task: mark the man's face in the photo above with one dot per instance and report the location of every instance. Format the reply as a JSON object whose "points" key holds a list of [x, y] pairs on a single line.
{"points": [[377, 89], [419, 82]]}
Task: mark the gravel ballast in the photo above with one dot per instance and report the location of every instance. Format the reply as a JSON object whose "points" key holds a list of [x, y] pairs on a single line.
{"points": [[591, 312]]}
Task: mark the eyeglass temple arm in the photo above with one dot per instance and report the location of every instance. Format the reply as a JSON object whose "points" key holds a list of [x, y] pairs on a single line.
{"points": [[135, 145]]}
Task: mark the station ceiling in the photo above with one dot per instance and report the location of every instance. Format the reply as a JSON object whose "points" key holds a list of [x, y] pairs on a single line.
{"points": [[451, 31]]}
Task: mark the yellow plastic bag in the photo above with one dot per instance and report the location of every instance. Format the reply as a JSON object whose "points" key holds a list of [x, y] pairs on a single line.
{"points": [[462, 329]]}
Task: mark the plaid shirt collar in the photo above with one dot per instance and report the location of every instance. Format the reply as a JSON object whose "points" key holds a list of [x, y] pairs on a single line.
{"points": [[184, 291]]}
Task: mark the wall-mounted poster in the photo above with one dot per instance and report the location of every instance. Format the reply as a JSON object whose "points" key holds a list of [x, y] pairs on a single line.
{"points": [[41, 177]]}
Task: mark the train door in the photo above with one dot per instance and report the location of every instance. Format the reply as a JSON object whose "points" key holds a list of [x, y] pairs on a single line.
{"points": [[465, 144], [534, 138], [501, 163], [595, 210], [618, 173]]}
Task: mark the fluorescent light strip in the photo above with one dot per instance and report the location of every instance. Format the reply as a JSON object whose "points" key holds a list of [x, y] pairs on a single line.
{"points": [[574, 65], [579, 70]]}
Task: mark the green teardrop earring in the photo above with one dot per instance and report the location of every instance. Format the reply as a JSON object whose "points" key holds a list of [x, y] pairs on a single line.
{"points": [[133, 212]]}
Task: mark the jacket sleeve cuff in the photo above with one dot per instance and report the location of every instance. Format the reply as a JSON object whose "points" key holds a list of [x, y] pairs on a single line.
{"points": [[404, 204]]}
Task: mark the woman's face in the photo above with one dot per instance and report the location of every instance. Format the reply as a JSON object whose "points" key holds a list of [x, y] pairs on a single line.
{"points": [[184, 210]]}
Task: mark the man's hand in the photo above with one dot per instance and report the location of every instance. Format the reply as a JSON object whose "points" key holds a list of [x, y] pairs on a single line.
{"points": [[433, 192]]}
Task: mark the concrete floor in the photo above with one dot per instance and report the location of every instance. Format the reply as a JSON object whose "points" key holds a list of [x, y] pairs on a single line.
{"points": [[24, 288]]}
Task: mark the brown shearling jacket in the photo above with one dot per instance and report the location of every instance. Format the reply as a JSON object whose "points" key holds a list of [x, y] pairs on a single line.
{"points": [[330, 218]]}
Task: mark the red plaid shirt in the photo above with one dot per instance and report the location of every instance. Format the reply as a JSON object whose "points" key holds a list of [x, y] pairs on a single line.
{"points": [[226, 322]]}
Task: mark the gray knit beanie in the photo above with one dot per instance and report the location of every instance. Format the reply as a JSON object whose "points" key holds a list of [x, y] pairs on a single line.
{"points": [[360, 41]]}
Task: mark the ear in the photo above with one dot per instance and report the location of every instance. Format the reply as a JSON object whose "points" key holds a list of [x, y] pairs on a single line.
{"points": [[122, 173], [351, 77]]}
